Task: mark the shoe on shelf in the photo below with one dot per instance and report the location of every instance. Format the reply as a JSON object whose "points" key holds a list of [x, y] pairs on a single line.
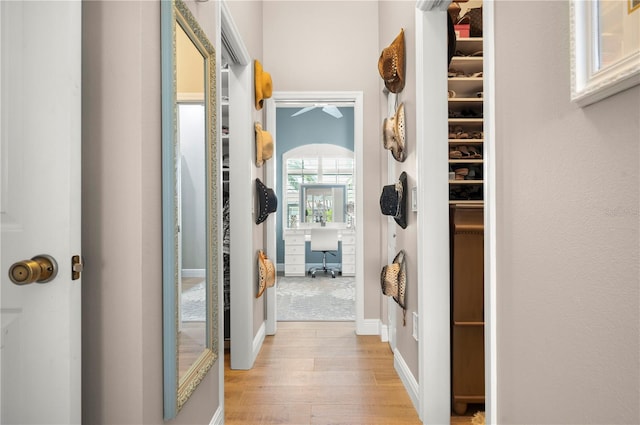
{"points": [[454, 153], [474, 152], [460, 133]]}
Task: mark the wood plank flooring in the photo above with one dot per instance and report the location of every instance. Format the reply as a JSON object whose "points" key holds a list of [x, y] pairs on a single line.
{"points": [[319, 373]]}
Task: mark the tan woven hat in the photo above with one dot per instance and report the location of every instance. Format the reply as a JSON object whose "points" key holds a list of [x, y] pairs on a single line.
{"points": [[393, 280], [264, 145], [394, 135], [263, 84], [391, 64], [266, 273]]}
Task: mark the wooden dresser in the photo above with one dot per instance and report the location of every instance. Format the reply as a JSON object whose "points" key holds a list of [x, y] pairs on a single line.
{"points": [[467, 306]]}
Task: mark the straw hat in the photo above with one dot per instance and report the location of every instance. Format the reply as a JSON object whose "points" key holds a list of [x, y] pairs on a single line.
{"points": [[393, 280], [266, 273], [267, 201], [264, 145], [391, 64], [393, 132], [263, 84], [393, 200]]}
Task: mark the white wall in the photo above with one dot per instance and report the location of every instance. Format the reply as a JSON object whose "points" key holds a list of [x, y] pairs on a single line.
{"points": [[568, 243]]}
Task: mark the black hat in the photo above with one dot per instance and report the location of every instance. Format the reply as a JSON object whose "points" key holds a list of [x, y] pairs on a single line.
{"points": [[393, 200], [267, 201]]}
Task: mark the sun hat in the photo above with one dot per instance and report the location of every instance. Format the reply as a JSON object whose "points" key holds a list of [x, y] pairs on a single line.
{"points": [[267, 201], [263, 84], [393, 280], [393, 200], [391, 64], [266, 273], [264, 145], [393, 132]]}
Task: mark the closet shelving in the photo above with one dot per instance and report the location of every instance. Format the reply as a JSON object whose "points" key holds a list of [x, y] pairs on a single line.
{"points": [[466, 122], [224, 133], [225, 126]]}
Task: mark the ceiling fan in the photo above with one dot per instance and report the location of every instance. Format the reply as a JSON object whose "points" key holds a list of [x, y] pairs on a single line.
{"points": [[329, 109]]}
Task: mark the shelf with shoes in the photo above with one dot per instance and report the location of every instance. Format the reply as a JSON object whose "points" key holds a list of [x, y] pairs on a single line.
{"points": [[466, 121]]}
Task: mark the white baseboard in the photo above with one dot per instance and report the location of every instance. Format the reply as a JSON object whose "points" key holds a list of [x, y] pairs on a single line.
{"points": [[257, 342], [218, 417], [384, 332], [407, 378], [368, 327], [194, 273]]}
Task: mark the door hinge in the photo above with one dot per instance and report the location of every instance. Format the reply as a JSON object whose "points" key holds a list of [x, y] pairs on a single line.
{"points": [[77, 266]]}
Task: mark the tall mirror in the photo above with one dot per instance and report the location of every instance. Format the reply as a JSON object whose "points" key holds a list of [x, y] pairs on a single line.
{"points": [[190, 205]]}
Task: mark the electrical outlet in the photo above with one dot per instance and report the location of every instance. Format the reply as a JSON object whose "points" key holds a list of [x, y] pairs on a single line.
{"points": [[415, 325]]}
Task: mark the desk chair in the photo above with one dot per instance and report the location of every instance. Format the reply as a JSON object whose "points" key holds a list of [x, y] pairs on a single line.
{"points": [[325, 241]]}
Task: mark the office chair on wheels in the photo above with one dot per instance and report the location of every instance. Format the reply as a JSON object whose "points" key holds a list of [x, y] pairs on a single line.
{"points": [[325, 241]]}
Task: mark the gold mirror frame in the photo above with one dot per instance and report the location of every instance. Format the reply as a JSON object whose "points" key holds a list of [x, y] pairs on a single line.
{"points": [[177, 390]]}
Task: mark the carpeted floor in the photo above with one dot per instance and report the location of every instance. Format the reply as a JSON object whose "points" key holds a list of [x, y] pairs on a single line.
{"points": [[194, 303], [316, 299]]}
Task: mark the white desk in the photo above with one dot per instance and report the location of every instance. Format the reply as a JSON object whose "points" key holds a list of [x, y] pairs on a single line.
{"points": [[294, 250]]}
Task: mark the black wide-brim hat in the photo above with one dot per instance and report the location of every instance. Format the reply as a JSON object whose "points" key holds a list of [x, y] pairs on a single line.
{"points": [[393, 200], [267, 201]]}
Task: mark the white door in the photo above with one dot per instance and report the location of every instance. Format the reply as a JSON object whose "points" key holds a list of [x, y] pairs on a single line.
{"points": [[40, 109]]}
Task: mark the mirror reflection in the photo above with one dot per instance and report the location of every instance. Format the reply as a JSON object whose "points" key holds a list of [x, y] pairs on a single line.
{"points": [[190, 205], [191, 173], [323, 203]]}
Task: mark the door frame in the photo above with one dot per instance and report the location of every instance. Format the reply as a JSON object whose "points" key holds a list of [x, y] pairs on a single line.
{"points": [[433, 220], [355, 98]]}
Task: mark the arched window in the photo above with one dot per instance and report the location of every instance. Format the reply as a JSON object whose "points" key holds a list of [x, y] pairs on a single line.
{"points": [[326, 170]]}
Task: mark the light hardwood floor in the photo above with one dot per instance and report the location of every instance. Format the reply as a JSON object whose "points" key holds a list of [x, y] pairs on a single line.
{"points": [[319, 373]]}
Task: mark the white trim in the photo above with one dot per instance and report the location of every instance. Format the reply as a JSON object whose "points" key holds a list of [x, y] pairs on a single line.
{"points": [[257, 341], [434, 375], [368, 327], [218, 416], [194, 273], [241, 188], [490, 226], [407, 378], [354, 98], [589, 85], [384, 332]]}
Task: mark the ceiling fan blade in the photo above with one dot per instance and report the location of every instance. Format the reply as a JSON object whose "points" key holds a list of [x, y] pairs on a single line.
{"points": [[303, 110], [332, 110]]}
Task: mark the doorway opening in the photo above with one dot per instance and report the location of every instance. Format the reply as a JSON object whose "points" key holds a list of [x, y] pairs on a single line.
{"points": [[316, 177]]}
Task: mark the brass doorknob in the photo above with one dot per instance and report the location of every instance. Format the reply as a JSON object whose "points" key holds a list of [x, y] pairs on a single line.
{"points": [[41, 268]]}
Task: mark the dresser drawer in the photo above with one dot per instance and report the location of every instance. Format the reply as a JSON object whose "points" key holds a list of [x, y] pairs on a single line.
{"points": [[348, 239], [348, 269], [348, 249], [294, 259], [294, 249], [348, 259], [294, 240], [294, 270]]}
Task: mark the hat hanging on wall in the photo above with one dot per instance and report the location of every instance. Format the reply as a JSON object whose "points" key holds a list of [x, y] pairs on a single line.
{"points": [[393, 280], [391, 64], [393, 200], [393, 133], [263, 84], [266, 273], [267, 201], [264, 145]]}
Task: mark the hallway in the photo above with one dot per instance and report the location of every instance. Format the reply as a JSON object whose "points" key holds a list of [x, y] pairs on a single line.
{"points": [[319, 373]]}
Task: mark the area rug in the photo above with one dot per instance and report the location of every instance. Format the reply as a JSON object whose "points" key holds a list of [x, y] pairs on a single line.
{"points": [[193, 303], [316, 299]]}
